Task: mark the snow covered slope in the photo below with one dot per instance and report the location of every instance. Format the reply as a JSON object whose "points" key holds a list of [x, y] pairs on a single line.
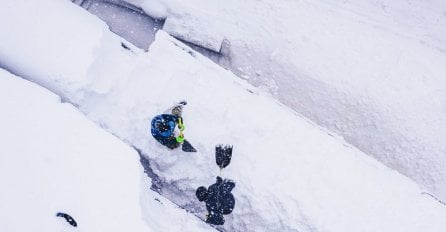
{"points": [[52, 159], [291, 175], [371, 70]]}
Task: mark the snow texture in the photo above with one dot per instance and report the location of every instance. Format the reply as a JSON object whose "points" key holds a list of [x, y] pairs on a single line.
{"points": [[291, 175], [52, 159], [372, 71]]}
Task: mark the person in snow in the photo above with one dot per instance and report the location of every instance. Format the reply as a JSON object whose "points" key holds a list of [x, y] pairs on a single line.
{"points": [[219, 200], [164, 125]]}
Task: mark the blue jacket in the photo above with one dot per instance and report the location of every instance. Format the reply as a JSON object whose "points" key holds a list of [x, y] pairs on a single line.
{"points": [[164, 137]]}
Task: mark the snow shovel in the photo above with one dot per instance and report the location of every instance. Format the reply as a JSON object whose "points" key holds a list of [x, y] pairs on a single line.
{"points": [[223, 155], [187, 147]]}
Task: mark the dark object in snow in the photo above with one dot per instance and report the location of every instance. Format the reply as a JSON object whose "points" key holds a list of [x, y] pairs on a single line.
{"points": [[68, 218], [219, 200], [187, 147], [202, 193], [223, 155], [125, 46], [163, 130], [164, 125]]}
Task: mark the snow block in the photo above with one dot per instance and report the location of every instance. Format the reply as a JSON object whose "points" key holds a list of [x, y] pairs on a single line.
{"points": [[182, 28]]}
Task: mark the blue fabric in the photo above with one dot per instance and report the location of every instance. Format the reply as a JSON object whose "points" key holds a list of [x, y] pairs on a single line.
{"points": [[169, 132], [164, 137], [163, 118]]}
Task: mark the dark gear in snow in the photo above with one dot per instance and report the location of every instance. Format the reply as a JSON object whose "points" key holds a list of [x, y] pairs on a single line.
{"points": [[187, 147], [163, 130], [68, 218], [223, 155], [219, 200]]}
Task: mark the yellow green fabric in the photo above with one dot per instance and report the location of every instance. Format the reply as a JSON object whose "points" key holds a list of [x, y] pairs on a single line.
{"points": [[180, 139]]}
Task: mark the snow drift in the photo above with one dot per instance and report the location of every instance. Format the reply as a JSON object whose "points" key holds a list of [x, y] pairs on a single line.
{"points": [[52, 159], [291, 175], [372, 71]]}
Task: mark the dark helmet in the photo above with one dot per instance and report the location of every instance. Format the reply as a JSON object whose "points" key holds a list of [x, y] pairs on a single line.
{"points": [[163, 126], [202, 193]]}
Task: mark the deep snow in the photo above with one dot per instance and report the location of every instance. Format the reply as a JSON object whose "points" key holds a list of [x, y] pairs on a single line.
{"points": [[372, 71], [52, 159], [291, 175]]}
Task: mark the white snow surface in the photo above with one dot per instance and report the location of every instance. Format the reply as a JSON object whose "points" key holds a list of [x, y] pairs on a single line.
{"points": [[371, 70], [290, 174], [53, 159]]}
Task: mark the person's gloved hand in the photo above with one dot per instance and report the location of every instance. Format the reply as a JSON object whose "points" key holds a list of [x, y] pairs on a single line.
{"points": [[180, 138]]}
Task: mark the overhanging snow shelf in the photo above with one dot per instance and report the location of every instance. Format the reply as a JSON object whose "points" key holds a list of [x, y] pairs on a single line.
{"points": [[125, 20], [134, 25]]}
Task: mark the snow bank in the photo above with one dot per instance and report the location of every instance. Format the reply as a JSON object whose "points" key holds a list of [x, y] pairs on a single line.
{"points": [[54, 160], [308, 181], [290, 174], [28, 37], [157, 9], [372, 71]]}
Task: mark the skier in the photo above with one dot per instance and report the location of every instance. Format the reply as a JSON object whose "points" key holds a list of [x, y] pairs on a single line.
{"points": [[219, 200], [164, 125]]}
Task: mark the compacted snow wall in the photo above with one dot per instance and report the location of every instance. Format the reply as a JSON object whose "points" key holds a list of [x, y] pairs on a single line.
{"points": [[372, 71]]}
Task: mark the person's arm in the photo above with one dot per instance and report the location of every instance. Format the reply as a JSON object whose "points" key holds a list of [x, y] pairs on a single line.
{"points": [[180, 137], [180, 124]]}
